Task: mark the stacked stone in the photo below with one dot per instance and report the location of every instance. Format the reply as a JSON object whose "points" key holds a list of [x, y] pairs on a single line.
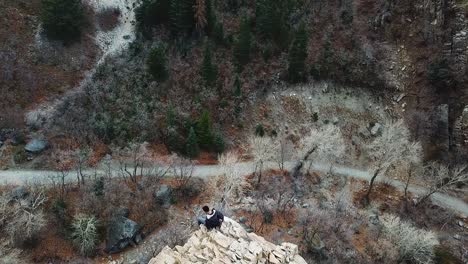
{"points": [[231, 244]]}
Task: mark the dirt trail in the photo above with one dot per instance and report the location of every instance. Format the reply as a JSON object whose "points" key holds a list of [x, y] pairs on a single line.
{"points": [[21, 177], [110, 42]]}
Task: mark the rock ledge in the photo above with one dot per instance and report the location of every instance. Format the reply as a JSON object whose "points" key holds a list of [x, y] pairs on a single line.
{"points": [[231, 244]]}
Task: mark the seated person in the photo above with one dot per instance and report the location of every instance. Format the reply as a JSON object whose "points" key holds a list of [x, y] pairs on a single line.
{"points": [[212, 219]]}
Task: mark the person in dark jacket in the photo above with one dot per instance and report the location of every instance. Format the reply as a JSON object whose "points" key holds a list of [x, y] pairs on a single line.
{"points": [[212, 219]]}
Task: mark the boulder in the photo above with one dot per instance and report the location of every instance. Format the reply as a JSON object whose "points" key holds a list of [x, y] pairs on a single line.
{"points": [[36, 146], [19, 193], [121, 233], [164, 195], [17, 139], [376, 129], [242, 219]]}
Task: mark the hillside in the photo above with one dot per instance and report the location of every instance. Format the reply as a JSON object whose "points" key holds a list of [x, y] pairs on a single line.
{"points": [[337, 130]]}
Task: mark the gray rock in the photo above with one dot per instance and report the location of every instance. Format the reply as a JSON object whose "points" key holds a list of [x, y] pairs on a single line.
{"points": [[247, 228], [164, 195], [36, 146], [457, 237], [364, 133], [17, 139], [335, 120], [374, 219], [376, 129], [242, 219], [305, 205], [121, 233], [121, 212], [19, 193]]}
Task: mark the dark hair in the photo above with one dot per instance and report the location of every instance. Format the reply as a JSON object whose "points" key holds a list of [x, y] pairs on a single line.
{"points": [[206, 209]]}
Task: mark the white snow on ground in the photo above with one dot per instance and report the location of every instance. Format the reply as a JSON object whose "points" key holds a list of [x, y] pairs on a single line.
{"points": [[110, 42], [123, 34]]}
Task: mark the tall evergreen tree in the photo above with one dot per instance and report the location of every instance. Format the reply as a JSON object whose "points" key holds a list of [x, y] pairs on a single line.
{"points": [[210, 17], [181, 16], [62, 19], [243, 44], [297, 56], [271, 20], [237, 86], [218, 143], [152, 12], [157, 63], [208, 70], [192, 150], [204, 131]]}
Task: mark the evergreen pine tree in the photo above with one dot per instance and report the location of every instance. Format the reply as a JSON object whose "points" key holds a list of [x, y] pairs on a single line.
{"points": [[297, 56], [210, 18], [204, 131], [62, 19], [192, 150], [157, 63], [243, 43], [208, 69], [271, 20], [150, 13], [323, 68], [218, 143], [237, 87], [181, 16]]}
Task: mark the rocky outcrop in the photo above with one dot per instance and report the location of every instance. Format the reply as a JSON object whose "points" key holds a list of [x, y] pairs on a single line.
{"points": [[122, 232], [36, 146], [230, 244]]}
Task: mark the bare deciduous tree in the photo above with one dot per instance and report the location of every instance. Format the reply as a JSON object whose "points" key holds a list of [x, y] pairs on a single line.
{"points": [[387, 150], [325, 144], [81, 155], [136, 162], [85, 235], [182, 170], [232, 178], [439, 178], [410, 167], [263, 150], [415, 245], [22, 218], [284, 150]]}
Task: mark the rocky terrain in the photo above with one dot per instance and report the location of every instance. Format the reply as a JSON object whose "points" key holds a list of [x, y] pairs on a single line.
{"points": [[230, 244]]}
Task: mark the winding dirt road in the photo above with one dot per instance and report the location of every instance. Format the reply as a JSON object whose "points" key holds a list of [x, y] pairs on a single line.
{"points": [[22, 177]]}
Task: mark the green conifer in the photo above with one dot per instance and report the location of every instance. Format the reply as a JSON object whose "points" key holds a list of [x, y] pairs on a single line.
{"points": [[243, 44], [157, 63], [204, 131], [62, 19], [208, 70], [192, 150], [297, 56]]}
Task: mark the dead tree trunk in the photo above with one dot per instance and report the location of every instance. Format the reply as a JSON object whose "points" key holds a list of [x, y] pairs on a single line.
{"points": [[297, 169], [371, 186]]}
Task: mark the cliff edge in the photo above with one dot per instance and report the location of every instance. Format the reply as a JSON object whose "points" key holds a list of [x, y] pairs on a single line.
{"points": [[230, 244]]}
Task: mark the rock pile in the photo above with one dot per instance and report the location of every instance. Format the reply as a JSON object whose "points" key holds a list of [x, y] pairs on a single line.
{"points": [[230, 244]]}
